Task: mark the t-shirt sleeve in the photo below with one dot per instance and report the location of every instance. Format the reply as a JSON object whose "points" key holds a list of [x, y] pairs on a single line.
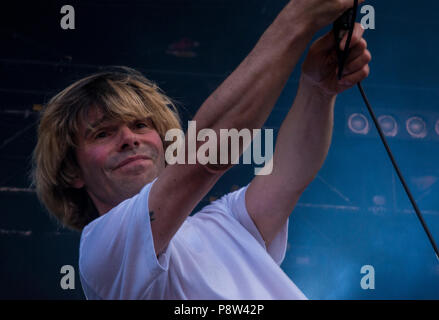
{"points": [[117, 258], [235, 203]]}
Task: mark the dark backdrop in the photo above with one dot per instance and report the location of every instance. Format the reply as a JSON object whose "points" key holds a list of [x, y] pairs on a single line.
{"points": [[355, 212]]}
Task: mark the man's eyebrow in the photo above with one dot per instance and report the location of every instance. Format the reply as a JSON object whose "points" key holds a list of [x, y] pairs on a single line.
{"points": [[94, 125]]}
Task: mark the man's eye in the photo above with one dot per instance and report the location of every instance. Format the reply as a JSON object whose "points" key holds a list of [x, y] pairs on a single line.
{"points": [[101, 134], [141, 125]]}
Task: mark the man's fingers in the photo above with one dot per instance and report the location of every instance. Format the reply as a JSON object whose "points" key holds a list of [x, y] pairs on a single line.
{"points": [[357, 63], [355, 77], [356, 36], [327, 41], [356, 51]]}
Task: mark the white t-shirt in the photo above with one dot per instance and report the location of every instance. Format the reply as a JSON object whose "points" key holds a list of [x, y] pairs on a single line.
{"points": [[218, 253]]}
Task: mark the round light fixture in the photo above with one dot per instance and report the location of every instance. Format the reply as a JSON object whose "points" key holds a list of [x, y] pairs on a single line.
{"points": [[358, 123]]}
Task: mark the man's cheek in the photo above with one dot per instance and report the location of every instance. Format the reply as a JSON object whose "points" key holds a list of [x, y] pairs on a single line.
{"points": [[98, 158]]}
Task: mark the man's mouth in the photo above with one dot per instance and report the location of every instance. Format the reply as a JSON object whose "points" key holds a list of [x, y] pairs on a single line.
{"points": [[130, 160]]}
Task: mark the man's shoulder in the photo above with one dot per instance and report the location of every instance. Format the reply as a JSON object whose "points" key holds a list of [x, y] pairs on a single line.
{"points": [[226, 205]]}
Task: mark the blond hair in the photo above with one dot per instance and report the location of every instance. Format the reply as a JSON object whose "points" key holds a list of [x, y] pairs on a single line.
{"points": [[124, 94]]}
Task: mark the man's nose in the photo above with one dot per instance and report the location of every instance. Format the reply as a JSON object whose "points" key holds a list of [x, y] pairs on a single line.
{"points": [[128, 139]]}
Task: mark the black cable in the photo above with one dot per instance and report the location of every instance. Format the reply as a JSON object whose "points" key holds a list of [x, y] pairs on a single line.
{"points": [[347, 22], [389, 152]]}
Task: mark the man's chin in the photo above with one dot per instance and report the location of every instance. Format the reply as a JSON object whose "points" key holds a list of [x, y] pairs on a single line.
{"points": [[130, 182], [131, 187]]}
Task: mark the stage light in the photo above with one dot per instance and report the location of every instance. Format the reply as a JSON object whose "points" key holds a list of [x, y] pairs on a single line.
{"points": [[388, 125], [416, 127], [358, 123]]}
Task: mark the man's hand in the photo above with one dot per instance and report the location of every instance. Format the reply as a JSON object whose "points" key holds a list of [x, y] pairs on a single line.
{"points": [[321, 66]]}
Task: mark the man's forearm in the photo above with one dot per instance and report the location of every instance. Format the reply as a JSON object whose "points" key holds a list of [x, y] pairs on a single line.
{"points": [[247, 96], [304, 139]]}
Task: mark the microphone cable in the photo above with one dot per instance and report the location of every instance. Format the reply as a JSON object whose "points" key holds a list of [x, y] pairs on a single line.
{"points": [[346, 23]]}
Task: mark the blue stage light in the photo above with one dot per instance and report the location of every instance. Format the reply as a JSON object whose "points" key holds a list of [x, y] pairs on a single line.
{"points": [[416, 127], [388, 124], [358, 123]]}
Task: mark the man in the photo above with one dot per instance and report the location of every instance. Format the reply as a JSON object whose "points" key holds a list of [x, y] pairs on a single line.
{"points": [[100, 168]]}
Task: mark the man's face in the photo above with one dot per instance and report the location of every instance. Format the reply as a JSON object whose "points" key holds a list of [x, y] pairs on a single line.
{"points": [[117, 159]]}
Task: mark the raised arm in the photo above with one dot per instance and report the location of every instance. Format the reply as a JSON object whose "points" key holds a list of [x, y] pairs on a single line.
{"points": [[244, 100], [305, 135]]}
